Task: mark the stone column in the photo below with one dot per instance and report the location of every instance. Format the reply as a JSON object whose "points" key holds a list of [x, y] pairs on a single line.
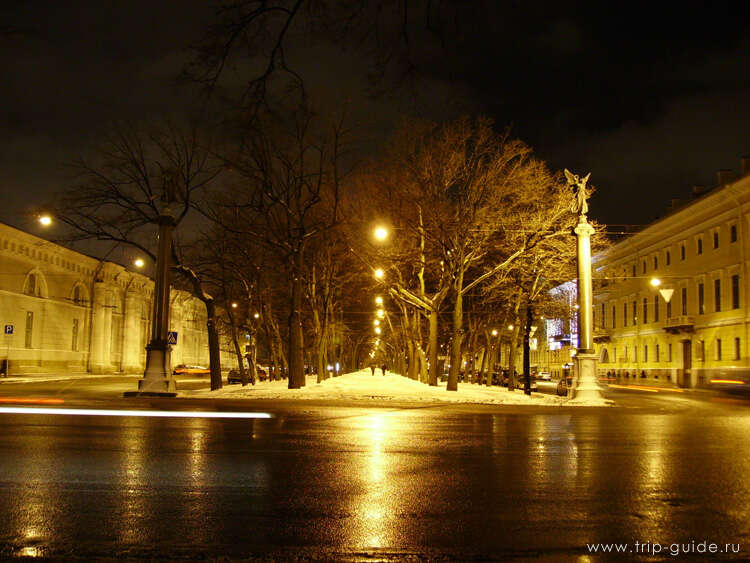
{"points": [[131, 346], [586, 386], [101, 331], [157, 379]]}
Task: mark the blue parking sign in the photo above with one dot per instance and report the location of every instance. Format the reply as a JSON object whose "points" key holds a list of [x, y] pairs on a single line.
{"points": [[8, 329]]}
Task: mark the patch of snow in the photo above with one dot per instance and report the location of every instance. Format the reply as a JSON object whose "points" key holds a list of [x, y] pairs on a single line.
{"points": [[362, 385]]}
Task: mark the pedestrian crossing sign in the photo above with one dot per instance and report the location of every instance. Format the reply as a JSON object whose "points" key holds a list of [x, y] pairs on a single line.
{"points": [[172, 338]]}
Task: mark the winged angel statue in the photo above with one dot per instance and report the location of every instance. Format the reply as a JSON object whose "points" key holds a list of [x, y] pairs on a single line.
{"points": [[580, 204]]}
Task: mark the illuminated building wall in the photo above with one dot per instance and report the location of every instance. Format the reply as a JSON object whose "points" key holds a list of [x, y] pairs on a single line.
{"points": [[73, 313], [699, 251]]}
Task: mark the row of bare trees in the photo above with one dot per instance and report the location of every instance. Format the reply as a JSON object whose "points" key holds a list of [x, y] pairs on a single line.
{"points": [[274, 236]]}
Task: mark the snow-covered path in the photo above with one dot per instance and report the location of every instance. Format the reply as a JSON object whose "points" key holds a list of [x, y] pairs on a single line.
{"points": [[361, 385]]}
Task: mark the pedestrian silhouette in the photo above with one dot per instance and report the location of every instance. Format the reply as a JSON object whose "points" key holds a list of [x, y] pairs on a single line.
{"points": [[384, 368], [372, 367]]}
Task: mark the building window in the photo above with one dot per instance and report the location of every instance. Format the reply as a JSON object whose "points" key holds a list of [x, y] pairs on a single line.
{"points": [[735, 291], [635, 353], [717, 354], [669, 352], [614, 316], [700, 350], [656, 308], [669, 309], [736, 348], [669, 258], [29, 328], [625, 353], [602, 320], [657, 353], [635, 313], [684, 301], [74, 343], [716, 239], [699, 246], [682, 252], [656, 262], [701, 300], [643, 267], [32, 285], [625, 315], [645, 352], [733, 233], [633, 271], [645, 310], [717, 295]]}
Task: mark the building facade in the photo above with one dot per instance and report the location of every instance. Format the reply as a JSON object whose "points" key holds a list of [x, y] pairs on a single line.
{"points": [[671, 302], [65, 312]]}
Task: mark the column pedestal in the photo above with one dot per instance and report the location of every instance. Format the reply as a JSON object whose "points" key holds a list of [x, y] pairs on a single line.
{"points": [[586, 388], [157, 380]]}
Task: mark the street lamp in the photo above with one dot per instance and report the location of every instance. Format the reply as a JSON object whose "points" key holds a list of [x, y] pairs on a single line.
{"points": [[378, 300], [45, 220], [381, 233], [379, 273], [665, 292], [378, 330], [234, 305], [380, 313], [138, 263]]}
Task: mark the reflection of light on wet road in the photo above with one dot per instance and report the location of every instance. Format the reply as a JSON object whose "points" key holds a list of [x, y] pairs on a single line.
{"points": [[31, 400], [374, 510], [113, 412]]}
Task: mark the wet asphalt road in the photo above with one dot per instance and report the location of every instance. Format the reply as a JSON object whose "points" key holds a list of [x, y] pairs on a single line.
{"points": [[321, 482]]}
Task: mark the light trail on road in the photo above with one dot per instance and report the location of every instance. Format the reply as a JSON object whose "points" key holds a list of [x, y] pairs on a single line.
{"points": [[157, 414]]}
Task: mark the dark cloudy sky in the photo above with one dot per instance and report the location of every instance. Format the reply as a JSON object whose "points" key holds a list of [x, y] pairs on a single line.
{"points": [[651, 100]]}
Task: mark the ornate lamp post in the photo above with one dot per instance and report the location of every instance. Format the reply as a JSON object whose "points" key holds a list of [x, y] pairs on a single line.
{"points": [[586, 386], [157, 379]]}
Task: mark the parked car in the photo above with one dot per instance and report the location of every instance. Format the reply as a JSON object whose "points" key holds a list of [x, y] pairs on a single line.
{"points": [[182, 369], [234, 375], [545, 376]]}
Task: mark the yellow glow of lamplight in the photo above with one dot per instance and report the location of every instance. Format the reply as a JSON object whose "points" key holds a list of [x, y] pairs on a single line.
{"points": [[381, 233], [379, 273], [655, 282], [378, 300], [45, 220], [234, 305], [728, 381], [256, 315], [377, 330], [494, 332], [376, 322], [381, 313], [138, 263]]}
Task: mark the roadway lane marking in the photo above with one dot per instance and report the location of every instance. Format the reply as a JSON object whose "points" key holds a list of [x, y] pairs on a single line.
{"points": [[158, 414], [31, 400]]}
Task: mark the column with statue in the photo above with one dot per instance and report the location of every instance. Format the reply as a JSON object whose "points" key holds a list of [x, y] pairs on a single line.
{"points": [[585, 385]]}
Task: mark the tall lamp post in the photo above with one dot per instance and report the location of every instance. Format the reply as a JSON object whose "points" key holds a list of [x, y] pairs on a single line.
{"points": [[157, 379], [586, 386]]}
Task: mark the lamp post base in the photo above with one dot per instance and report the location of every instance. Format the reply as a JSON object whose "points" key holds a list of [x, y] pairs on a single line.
{"points": [[157, 379], [586, 388]]}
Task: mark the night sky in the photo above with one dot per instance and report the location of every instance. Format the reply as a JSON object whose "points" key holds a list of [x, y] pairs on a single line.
{"points": [[651, 102]]}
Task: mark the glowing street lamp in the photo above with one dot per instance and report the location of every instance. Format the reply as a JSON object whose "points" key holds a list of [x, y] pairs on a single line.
{"points": [[494, 332], [376, 322], [45, 220], [256, 316], [138, 263], [379, 273], [377, 330], [381, 233], [380, 313], [378, 300], [234, 305]]}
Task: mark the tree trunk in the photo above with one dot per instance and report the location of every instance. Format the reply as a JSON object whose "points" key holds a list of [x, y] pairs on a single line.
{"points": [[296, 344], [433, 343], [458, 315], [512, 349], [526, 351], [213, 345], [238, 353]]}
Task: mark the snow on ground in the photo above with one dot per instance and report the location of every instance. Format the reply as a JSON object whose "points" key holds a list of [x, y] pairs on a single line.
{"points": [[361, 385]]}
